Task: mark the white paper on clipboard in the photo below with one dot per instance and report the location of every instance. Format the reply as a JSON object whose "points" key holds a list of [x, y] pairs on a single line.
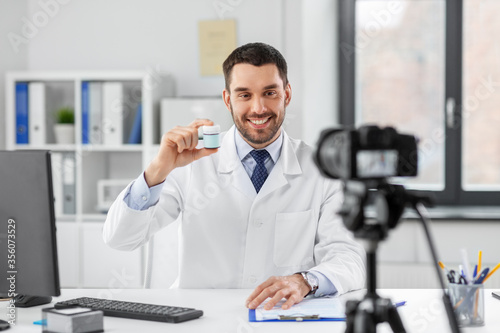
{"points": [[329, 307]]}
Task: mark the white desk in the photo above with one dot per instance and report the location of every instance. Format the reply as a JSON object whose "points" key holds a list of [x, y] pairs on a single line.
{"points": [[224, 311]]}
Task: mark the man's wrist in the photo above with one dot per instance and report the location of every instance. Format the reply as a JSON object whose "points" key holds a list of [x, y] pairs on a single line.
{"points": [[305, 288], [154, 174], [311, 281]]}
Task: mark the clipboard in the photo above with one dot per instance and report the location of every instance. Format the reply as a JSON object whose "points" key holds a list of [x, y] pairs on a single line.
{"points": [[252, 319], [310, 309]]}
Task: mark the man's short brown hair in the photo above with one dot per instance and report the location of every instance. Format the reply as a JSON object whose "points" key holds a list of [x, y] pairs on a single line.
{"points": [[256, 54]]}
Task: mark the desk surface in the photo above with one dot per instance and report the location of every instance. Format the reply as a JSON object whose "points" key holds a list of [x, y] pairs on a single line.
{"points": [[224, 311]]}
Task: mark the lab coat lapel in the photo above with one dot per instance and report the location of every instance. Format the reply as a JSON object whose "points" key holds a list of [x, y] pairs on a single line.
{"points": [[229, 163], [286, 165]]}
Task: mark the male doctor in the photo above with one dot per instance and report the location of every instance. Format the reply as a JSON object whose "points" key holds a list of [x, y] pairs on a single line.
{"points": [[267, 220]]}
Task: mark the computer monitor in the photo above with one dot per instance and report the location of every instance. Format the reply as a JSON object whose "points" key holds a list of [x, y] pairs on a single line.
{"points": [[28, 249]]}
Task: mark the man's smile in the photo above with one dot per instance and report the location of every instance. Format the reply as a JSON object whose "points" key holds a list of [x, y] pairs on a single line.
{"points": [[259, 122]]}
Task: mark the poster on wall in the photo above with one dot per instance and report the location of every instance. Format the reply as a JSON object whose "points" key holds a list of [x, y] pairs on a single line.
{"points": [[217, 40]]}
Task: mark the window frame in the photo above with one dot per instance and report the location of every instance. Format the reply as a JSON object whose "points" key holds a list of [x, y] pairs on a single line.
{"points": [[453, 193]]}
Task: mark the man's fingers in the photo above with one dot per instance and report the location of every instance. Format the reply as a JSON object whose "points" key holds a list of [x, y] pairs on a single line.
{"points": [[260, 293], [292, 299], [177, 149], [254, 294], [183, 137], [186, 137], [274, 285], [256, 301], [181, 140], [261, 297], [257, 291], [278, 296], [276, 288]]}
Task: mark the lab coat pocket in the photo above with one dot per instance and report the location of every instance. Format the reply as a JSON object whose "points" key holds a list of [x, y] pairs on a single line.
{"points": [[294, 239]]}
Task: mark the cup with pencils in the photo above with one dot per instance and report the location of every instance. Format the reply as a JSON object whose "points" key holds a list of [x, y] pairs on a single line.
{"points": [[466, 290], [468, 303]]}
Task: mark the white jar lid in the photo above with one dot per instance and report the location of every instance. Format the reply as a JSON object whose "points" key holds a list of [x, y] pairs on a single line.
{"points": [[211, 129]]}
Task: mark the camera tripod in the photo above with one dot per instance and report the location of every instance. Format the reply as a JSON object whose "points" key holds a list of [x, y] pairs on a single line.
{"points": [[363, 316], [390, 200]]}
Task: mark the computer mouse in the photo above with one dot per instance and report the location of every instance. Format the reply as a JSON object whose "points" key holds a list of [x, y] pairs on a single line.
{"points": [[25, 301], [4, 325]]}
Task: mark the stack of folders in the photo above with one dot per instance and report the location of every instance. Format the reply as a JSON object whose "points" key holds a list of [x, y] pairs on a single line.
{"points": [[103, 115], [63, 183], [31, 122]]}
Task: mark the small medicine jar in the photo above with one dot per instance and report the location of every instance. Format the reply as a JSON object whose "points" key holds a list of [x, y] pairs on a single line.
{"points": [[211, 136]]}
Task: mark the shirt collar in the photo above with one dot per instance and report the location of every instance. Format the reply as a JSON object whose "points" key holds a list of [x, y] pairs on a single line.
{"points": [[243, 148]]}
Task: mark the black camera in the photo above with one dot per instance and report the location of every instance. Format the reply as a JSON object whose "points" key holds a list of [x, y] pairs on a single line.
{"points": [[370, 152], [363, 159]]}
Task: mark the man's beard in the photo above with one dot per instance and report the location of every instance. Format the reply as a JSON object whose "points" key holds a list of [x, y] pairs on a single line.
{"points": [[260, 137]]}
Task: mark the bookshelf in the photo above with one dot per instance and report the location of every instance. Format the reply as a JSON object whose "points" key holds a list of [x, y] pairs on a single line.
{"points": [[78, 167]]}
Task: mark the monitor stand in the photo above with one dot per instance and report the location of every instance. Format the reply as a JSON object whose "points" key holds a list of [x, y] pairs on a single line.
{"points": [[25, 301]]}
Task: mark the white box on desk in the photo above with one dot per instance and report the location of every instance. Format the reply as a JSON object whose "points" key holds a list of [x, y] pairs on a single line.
{"points": [[72, 320]]}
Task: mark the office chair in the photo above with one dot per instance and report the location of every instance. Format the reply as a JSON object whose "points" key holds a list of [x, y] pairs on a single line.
{"points": [[162, 260]]}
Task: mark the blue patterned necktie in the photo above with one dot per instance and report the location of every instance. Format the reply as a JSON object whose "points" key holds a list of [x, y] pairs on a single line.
{"points": [[260, 172]]}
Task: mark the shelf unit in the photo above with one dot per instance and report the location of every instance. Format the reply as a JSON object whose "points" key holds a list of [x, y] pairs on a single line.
{"points": [[90, 263]]}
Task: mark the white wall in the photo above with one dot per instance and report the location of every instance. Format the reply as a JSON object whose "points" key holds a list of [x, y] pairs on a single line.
{"points": [[11, 58], [132, 34], [319, 34]]}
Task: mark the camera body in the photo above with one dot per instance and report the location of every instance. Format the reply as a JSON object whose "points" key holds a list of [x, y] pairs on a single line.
{"points": [[370, 152]]}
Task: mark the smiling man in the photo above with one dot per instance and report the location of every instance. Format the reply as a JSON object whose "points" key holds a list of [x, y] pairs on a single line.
{"points": [[259, 98], [267, 219]]}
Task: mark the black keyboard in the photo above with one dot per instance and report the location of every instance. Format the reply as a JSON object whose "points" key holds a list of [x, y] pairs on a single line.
{"points": [[133, 310]]}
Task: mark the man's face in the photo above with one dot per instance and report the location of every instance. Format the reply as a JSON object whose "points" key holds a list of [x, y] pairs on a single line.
{"points": [[257, 101]]}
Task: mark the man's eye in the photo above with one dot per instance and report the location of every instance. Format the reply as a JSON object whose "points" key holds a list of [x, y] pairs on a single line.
{"points": [[271, 93], [244, 95]]}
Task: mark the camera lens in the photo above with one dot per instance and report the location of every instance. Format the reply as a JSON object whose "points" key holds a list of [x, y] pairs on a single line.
{"points": [[331, 154]]}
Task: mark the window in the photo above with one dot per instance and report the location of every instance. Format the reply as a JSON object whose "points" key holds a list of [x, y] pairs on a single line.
{"points": [[429, 68], [481, 96]]}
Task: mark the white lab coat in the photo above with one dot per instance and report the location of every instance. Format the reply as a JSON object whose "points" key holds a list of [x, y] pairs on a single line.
{"points": [[232, 237]]}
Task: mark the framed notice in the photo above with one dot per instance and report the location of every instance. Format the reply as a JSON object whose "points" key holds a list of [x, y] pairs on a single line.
{"points": [[217, 40]]}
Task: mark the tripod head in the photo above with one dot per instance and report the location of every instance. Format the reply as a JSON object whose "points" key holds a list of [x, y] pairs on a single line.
{"points": [[389, 203]]}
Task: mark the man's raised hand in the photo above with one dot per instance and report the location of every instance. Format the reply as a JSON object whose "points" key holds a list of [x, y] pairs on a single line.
{"points": [[177, 149]]}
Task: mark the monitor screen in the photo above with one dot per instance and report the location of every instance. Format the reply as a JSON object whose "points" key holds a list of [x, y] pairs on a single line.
{"points": [[28, 250]]}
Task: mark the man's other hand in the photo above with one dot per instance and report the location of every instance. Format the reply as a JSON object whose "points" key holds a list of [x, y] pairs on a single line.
{"points": [[293, 288]]}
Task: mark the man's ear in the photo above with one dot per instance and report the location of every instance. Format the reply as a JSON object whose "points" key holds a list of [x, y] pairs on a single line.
{"points": [[288, 94], [227, 99]]}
